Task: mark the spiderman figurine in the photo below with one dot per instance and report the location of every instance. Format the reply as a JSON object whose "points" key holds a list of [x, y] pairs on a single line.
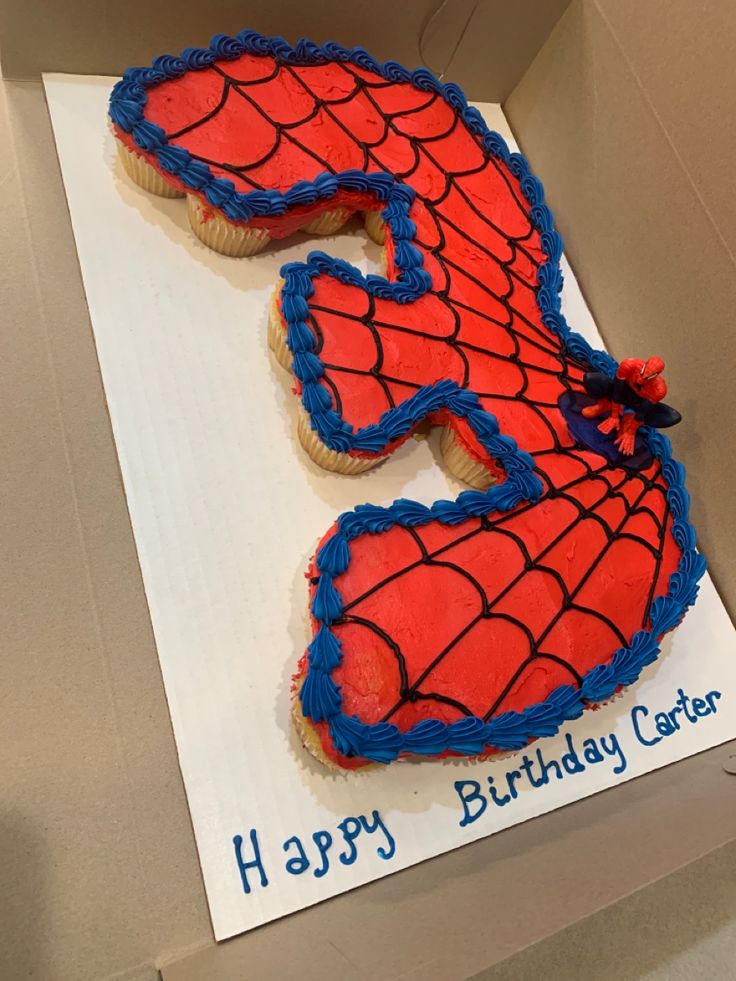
{"points": [[627, 401]]}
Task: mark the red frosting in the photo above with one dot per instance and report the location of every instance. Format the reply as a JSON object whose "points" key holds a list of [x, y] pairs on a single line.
{"points": [[488, 615], [425, 606]]}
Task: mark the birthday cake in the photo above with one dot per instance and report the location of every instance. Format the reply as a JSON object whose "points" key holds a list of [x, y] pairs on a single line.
{"points": [[464, 627]]}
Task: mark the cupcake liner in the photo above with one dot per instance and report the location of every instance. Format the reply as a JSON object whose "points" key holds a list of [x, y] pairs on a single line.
{"points": [[144, 175], [326, 458], [375, 226], [461, 464], [277, 334], [222, 235], [322, 455], [308, 734], [327, 223]]}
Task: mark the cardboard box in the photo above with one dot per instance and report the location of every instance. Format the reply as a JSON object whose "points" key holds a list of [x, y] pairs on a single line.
{"points": [[97, 856]]}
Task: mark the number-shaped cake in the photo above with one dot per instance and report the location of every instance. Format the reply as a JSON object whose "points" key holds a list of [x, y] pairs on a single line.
{"points": [[464, 627]]}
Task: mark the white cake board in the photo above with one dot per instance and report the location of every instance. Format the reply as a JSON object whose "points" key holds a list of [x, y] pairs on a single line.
{"points": [[226, 509]]}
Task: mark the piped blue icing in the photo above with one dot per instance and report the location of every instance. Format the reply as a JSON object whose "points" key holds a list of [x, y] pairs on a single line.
{"points": [[320, 697]]}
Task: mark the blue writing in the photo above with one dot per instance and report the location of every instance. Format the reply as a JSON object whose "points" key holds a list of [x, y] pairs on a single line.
{"points": [[711, 698], [299, 863], [643, 711], [571, 760], [615, 750], [700, 707], [351, 828], [323, 840], [546, 767], [591, 752], [499, 799], [526, 765], [535, 771], [667, 723], [390, 850], [255, 863], [511, 777], [469, 790]]}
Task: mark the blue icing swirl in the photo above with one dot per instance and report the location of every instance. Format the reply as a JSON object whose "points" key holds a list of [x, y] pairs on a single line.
{"points": [[395, 72], [361, 58], [375, 519], [315, 398], [128, 88], [542, 218], [428, 736], [302, 193], [599, 684], [473, 503], [678, 500], [326, 605], [519, 166], [684, 534], [196, 175], [300, 338], [219, 192], [253, 42], [198, 58], [496, 146], [320, 696], [353, 738], [169, 66], [474, 120], [294, 307], [424, 79], [351, 525], [463, 402], [449, 512], [332, 429], [532, 188], [281, 49], [125, 113], [334, 555], [455, 96], [227, 47], [309, 52], [371, 439], [148, 136], [411, 513], [468, 736], [173, 158], [335, 51], [665, 614], [307, 366], [325, 652]]}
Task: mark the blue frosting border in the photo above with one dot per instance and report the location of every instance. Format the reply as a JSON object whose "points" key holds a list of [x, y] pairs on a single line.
{"points": [[320, 696]]}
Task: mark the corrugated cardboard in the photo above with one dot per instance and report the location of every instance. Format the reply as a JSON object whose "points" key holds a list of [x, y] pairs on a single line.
{"points": [[460, 913], [104, 38], [96, 855], [97, 860]]}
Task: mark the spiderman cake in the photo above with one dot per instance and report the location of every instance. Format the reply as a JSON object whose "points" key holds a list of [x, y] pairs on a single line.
{"points": [[464, 627]]}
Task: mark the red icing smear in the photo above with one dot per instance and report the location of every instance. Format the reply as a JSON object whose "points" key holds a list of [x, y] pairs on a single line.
{"points": [[492, 614]]}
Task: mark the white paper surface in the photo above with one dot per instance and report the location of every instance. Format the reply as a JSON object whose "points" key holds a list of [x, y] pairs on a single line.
{"points": [[226, 509]]}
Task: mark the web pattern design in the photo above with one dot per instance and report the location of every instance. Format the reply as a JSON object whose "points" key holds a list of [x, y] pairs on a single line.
{"points": [[489, 620]]}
